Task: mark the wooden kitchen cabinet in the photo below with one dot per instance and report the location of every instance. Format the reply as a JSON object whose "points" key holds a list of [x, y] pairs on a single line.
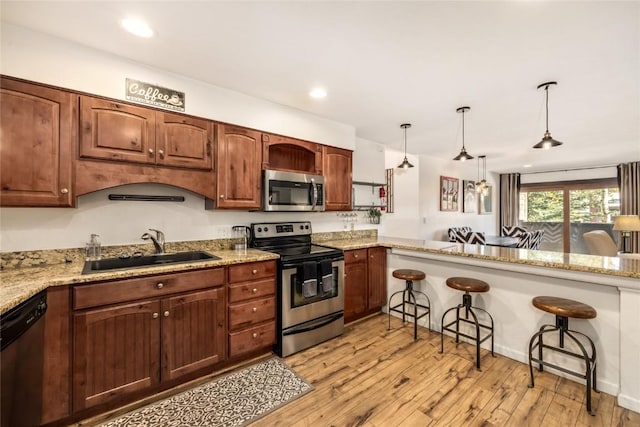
{"points": [[131, 335], [238, 171], [291, 155], [37, 136], [337, 178], [365, 282], [252, 307], [116, 131]]}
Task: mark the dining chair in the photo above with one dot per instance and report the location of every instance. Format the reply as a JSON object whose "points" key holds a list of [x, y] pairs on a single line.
{"points": [[512, 230], [599, 242], [536, 240], [470, 237], [530, 239], [453, 230]]}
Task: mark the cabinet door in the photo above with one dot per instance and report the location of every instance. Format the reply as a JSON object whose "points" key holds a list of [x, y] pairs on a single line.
{"points": [[37, 136], [114, 131], [238, 167], [337, 178], [355, 289], [116, 351], [377, 277], [184, 141], [289, 154], [193, 332]]}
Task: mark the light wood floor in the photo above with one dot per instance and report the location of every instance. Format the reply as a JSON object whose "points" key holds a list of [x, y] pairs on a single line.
{"points": [[374, 377]]}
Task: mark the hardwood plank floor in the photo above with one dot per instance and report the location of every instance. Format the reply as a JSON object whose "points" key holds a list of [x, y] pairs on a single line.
{"points": [[374, 377]]}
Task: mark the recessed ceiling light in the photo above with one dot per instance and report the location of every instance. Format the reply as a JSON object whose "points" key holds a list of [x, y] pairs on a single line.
{"points": [[526, 166], [318, 93], [137, 27]]}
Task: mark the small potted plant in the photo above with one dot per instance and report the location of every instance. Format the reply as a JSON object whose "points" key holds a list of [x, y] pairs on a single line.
{"points": [[374, 215]]}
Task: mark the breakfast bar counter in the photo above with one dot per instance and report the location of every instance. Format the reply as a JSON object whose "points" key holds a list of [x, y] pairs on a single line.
{"points": [[610, 284]]}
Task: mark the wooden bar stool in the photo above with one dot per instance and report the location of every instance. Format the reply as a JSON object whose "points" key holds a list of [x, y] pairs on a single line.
{"points": [[467, 284], [409, 297], [563, 309]]}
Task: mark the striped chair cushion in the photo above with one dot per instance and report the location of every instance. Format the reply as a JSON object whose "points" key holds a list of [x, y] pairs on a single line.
{"points": [[513, 230], [471, 237], [536, 240], [453, 230], [530, 239]]}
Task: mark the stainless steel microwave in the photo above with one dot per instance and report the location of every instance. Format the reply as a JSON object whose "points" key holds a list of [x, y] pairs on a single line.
{"points": [[291, 191]]}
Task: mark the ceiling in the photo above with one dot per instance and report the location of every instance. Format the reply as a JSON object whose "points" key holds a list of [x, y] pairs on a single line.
{"points": [[387, 63]]}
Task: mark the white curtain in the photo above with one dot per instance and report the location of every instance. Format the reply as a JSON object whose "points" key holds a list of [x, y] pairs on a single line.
{"points": [[509, 199]]}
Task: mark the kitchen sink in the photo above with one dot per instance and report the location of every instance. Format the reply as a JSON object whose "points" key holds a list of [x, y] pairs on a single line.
{"points": [[127, 262]]}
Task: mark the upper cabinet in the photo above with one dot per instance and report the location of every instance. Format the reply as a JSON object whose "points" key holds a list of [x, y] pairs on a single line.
{"points": [[37, 136], [290, 154], [238, 167], [337, 178], [368, 162], [115, 131]]}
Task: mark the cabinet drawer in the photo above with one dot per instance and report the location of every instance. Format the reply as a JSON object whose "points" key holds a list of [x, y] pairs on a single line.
{"points": [[251, 271], [249, 313], [358, 255], [97, 294], [254, 289], [252, 339]]}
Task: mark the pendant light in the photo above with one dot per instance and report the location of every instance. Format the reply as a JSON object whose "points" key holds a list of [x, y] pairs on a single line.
{"points": [[547, 142], [463, 153], [482, 186], [405, 163]]}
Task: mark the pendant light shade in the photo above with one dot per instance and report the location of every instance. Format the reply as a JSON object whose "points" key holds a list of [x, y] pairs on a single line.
{"points": [[481, 185], [547, 142], [463, 152], [405, 163]]}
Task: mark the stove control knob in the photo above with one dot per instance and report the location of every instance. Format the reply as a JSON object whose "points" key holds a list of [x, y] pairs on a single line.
{"points": [[266, 229], [306, 227], [259, 229], [301, 227]]}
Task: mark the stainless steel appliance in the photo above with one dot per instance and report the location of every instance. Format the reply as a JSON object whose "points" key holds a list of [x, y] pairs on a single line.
{"points": [[291, 191], [22, 362], [310, 289]]}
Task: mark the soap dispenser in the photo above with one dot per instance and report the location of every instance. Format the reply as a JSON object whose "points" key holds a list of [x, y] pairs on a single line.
{"points": [[93, 248]]}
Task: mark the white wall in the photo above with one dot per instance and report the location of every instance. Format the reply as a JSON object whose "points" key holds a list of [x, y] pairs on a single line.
{"points": [[434, 222], [404, 222]]}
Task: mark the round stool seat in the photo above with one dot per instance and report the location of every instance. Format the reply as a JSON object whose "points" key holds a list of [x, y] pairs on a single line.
{"points": [[467, 284], [406, 274], [565, 307]]}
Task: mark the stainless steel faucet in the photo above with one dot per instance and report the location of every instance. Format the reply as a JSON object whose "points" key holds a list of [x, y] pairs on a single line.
{"points": [[158, 240]]}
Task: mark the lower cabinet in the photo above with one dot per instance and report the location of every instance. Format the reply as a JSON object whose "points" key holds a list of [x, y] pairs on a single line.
{"points": [[365, 282], [252, 307], [131, 346]]}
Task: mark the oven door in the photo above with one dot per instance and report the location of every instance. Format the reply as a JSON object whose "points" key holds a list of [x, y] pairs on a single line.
{"points": [[299, 306], [288, 191]]}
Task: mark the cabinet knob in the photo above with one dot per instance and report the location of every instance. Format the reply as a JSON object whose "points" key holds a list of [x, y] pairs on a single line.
{"points": [[151, 151], [154, 315], [161, 152], [222, 196], [371, 256], [355, 255], [254, 290], [166, 313], [254, 309], [64, 190], [160, 285], [254, 271], [254, 335]]}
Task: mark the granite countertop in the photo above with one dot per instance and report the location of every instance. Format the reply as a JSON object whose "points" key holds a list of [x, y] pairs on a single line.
{"points": [[613, 266], [18, 284]]}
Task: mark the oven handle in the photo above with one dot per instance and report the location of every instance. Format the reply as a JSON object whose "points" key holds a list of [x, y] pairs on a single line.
{"points": [[313, 324]]}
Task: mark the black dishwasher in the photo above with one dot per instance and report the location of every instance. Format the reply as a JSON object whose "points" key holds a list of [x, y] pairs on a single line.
{"points": [[21, 362]]}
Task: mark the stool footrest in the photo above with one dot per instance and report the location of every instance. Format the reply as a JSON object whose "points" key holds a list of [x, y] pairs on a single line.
{"points": [[471, 337]]}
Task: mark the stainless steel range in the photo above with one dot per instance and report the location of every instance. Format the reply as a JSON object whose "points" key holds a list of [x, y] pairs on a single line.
{"points": [[310, 285]]}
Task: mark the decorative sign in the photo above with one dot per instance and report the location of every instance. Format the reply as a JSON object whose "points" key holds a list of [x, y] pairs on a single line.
{"points": [[448, 193], [158, 96]]}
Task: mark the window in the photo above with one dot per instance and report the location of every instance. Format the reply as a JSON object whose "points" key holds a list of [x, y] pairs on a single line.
{"points": [[567, 210]]}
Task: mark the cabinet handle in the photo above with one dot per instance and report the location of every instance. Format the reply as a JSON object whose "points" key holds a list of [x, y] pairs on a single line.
{"points": [[208, 148], [154, 315], [161, 152], [254, 290], [151, 151], [160, 285], [254, 271], [166, 313], [254, 335], [254, 309], [64, 190]]}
